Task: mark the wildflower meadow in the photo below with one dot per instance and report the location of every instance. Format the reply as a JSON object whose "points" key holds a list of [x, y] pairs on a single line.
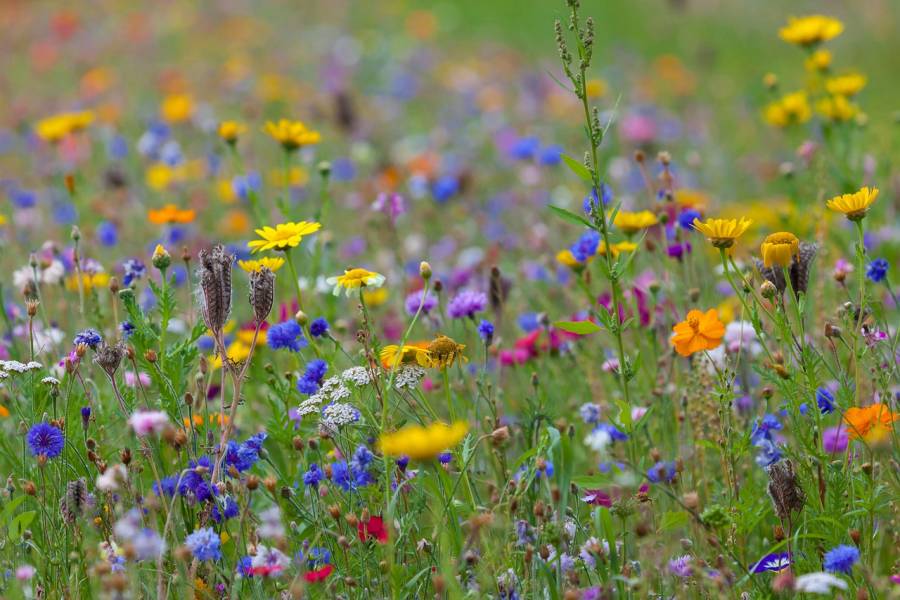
{"points": [[560, 300]]}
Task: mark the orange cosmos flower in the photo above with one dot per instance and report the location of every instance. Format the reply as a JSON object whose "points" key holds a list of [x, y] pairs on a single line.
{"points": [[699, 331], [170, 214], [871, 423]]}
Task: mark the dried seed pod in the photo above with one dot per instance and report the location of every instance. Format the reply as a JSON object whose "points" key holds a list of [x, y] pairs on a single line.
{"points": [[215, 286], [787, 496], [109, 357], [73, 503], [262, 293]]}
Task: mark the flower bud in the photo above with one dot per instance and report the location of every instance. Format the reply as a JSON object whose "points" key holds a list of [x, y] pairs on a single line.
{"points": [[161, 258], [425, 270]]}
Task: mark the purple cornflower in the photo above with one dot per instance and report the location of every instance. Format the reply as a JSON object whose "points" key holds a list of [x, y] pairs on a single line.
{"points": [[287, 334], [662, 472], [466, 304], [204, 544], [45, 440], [393, 205], [835, 439], [415, 299], [841, 559], [681, 566]]}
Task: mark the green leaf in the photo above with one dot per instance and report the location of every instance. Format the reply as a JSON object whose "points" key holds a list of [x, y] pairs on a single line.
{"points": [[590, 482], [579, 327], [19, 524], [10, 508], [571, 217], [672, 519], [579, 169]]}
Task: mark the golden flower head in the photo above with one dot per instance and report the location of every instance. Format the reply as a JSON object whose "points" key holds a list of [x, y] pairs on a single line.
{"points": [[292, 134], [423, 443], [722, 233], [779, 249], [231, 130], [392, 355], [566, 258], [176, 108], [810, 30], [54, 129], [354, 279], [837, 108], [441, 352], [818, 60], [847, 85], [630, 222], [282, 236], [854, 206], [272, 263], [698, 332], [791, 109]]}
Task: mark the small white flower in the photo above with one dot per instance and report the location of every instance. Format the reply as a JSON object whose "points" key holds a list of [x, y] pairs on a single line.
{"points": [[270, 523], [359, 376], [408, 376], [598, 440], [271, 561], [818, 583], [18, 367], [338, 414], [109, 480], [50, 381]]}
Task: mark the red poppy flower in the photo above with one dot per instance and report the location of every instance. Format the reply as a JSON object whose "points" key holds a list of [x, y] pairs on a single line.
{"points": [[319, 574], [374, 529]]}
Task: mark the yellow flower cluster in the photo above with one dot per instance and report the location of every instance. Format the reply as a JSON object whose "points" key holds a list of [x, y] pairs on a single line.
{"points": [[292, 134], [423, 443], [54, 129]]}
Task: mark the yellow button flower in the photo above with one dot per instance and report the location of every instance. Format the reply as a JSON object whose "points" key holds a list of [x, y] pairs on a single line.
{"points": [[231, 130], [846, 85], [273, 263], [837, 108], [283, 235], [176, 108], [53, 129], [441, 353], [423, 443], [169, 214], [722, 233], [292, 134], [780, 249], [854, 206]]}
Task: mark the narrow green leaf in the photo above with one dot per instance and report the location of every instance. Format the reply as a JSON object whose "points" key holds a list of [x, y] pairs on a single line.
{"points": [[570, 216], [579, 327], [579, 169]]}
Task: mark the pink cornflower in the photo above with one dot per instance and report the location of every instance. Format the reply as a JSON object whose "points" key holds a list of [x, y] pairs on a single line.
{"points": [[145, 422], [131, 380]]}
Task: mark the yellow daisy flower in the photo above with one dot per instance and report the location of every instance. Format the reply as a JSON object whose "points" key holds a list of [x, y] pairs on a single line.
{"points": [[779, 249], [176, 108], [631, 222], [789, 110], [273, 263], [809, 30], [854, 206], [837, 108], [392, 355], [230, 131], [423, 443], [846, 85], [442, 352], [565, 257], [283, 235], [353, 279], [292, 134], [722, 233], [53, 129]]}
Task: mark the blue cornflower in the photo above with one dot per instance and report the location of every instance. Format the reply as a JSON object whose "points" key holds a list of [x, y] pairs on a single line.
{"points": [[769, 454], [245, 567], [341, 476], [126, 328], [313, 476], [762, 428], [242, 185], [85, 416], [402, 463], [612, 431], [662, 472], [445, 188], [486, 331], [134, 269], [825, 400], [877, 270], [550, 155], [525, 148], [528, 322], [686, 218], [64, 213], [22, 198], [445, 457], [165, 486], [229, 511], [287, 334], [315, 371], [107, 234], [605, 196], [318, 327], [590, 412], [88, 337], [45, 440], [841, 559], [204, 544], [545, 467], [117, 147], [586, 246]]}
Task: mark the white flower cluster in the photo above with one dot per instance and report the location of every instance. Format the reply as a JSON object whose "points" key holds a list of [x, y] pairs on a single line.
{"points": [[408, 376], [359, 376], [50, 274], [338, 414], [18, 367], [331, 390]]}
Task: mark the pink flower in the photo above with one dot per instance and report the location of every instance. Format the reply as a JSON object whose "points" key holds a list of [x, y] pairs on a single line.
{"points": [[25, 573], [145, 422], [131, 380]]}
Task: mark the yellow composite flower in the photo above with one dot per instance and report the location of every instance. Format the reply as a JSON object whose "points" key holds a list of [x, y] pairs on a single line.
{"points": [[819, 60], [392, 355], [353, 279], [854, 206], [55, 128], [231, 130], [292, 134], [596, 88], [846, 85], [790, 109], [616, 248], [837, 108], [282, 236], [273, 263], [176, 108], [722, 233], [810, 30], [779, 249], [630, 222], [687, 198], [423, 443], [89, 281], [441, 352], [375, 297], [169, 214], [566, 258]]}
